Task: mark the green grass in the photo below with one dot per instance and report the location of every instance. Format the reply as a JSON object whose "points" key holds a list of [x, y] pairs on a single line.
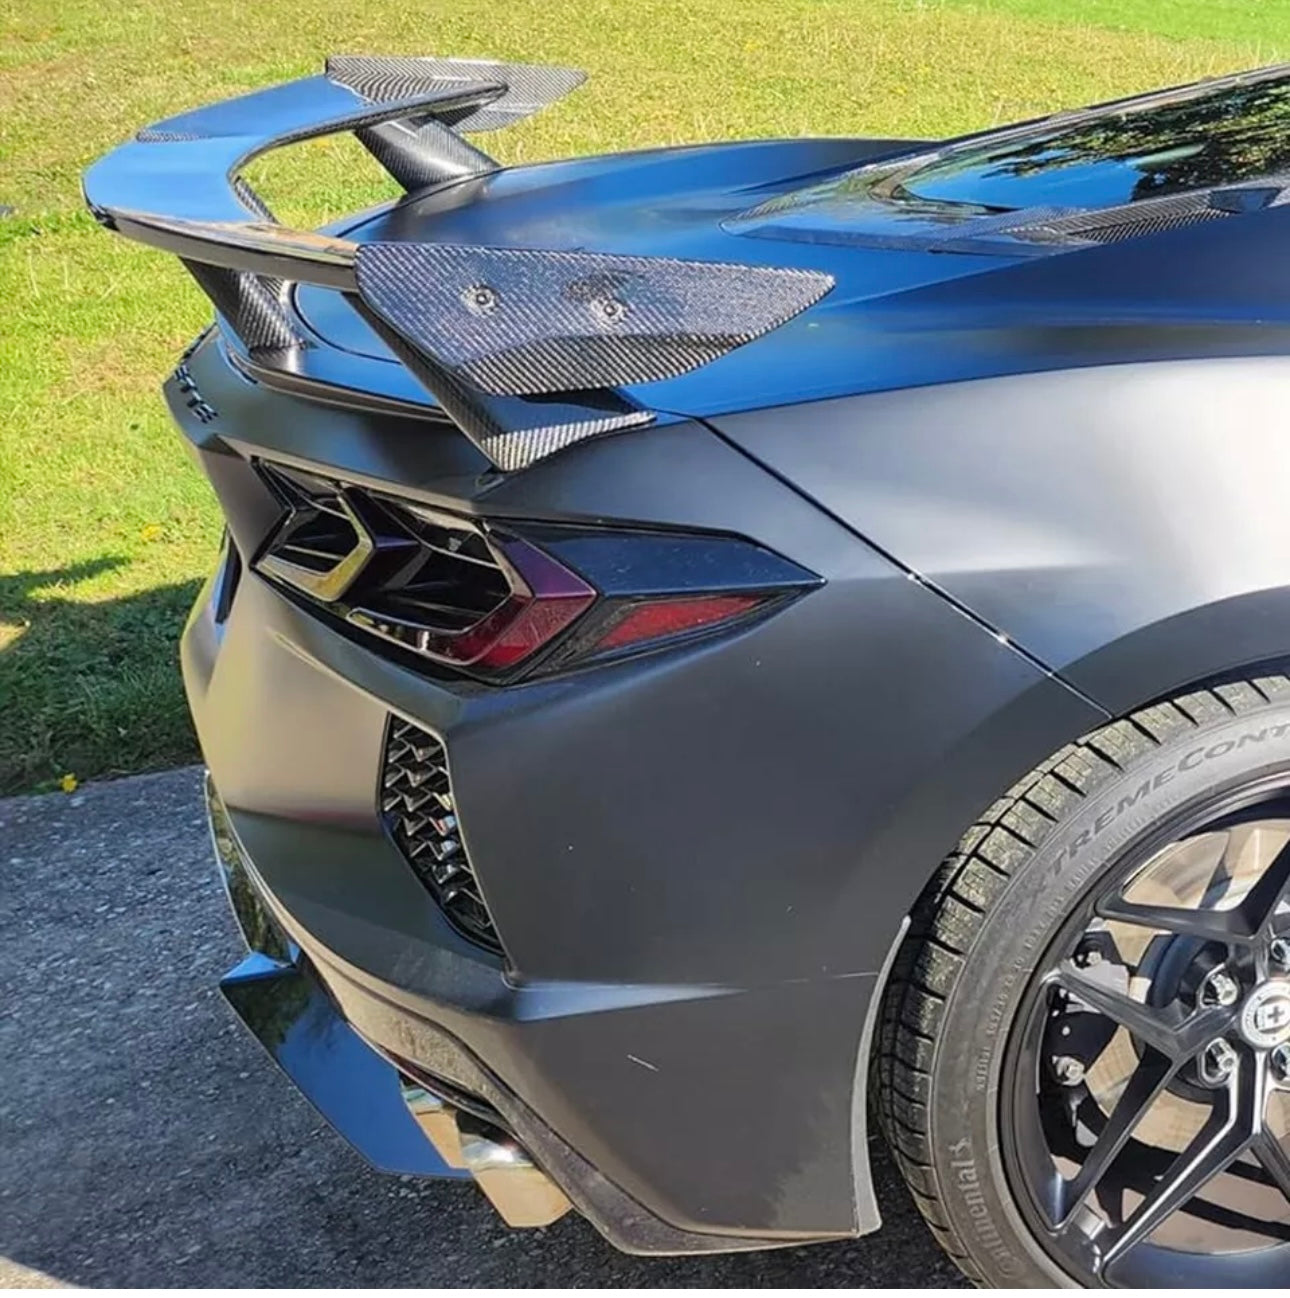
{"points": [[1262, 25], [106, 527]]}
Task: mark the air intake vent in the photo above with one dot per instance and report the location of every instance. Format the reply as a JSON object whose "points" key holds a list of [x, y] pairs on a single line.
{"points": [[421, 816]]}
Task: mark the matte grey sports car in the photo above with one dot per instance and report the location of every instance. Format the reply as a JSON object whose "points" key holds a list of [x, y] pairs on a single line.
{"points": [[716, 642]]}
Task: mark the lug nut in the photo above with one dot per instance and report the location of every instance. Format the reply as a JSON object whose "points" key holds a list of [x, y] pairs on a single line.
{"points": [[1217, 1061], [1068, 1071], [1279, 952], [1220, 988], [1280, 1061]]}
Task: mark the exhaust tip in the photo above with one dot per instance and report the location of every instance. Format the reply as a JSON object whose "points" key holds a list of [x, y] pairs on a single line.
{"points": [[438, 1120], [521, 1192]]}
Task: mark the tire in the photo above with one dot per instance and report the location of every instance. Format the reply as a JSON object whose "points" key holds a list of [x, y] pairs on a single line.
{"points": [[986, 924]]}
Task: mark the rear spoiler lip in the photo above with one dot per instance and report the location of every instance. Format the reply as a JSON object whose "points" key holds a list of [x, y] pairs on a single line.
{"points": [[300, 256], [545, 370], [157, 160]]}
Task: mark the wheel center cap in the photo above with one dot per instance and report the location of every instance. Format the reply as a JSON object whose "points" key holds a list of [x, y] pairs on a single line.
{"points": [[1265, 1016]]}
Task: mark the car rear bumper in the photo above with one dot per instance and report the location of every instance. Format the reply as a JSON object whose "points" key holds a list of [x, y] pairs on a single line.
{"points": [[349, 1051], [697, 860], [636, 1097], [366, 1062]]}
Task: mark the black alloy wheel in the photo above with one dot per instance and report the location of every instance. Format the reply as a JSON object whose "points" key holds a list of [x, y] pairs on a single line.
{"points": [[1147, 1093], [1084, 1061]]}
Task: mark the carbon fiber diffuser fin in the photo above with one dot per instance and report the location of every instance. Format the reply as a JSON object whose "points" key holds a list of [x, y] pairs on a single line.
{"points": [[522, 322]]}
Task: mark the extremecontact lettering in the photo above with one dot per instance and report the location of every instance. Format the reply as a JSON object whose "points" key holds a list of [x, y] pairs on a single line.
{"points": [[1188, 762]]}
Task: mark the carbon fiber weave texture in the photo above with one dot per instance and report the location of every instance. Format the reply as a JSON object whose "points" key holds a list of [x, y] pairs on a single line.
{"points": [[253, 305], [530, 86], [423, 155], [513, 432], [1129, 221], [159, 135], [519, 322], [515, 450], [252, 201]]}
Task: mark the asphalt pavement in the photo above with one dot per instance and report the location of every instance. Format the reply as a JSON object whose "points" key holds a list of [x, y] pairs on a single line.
{"points": [[145, 1140]]}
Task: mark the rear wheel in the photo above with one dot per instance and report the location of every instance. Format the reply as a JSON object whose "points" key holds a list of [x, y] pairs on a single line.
{"points": [[1084, 1063]]}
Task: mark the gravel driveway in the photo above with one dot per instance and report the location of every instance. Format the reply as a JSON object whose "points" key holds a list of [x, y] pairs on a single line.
{"points": [[145, 1140]]}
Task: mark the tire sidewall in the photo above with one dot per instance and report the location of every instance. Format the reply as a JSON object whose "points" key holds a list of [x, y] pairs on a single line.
{"points": [[963, 1106]]}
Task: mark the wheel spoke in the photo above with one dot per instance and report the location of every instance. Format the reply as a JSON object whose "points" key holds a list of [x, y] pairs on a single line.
{"points": [[1136, 1101], [1231, 1128], [1227, 926], [1240, 925], [1153, 1073], [1167, 1035], [1274, 1159], [1262, 901]]}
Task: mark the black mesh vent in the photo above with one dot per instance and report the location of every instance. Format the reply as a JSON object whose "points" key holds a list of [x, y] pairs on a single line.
{"points": [[419, 812]]}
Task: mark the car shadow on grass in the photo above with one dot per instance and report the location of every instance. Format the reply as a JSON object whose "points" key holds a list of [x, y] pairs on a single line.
{"points": [[88, 688]]}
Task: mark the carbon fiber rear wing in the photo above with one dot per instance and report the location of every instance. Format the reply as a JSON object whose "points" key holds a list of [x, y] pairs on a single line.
{"points": [[524, 349]]}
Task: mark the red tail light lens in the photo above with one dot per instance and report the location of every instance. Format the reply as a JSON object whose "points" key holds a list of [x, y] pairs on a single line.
{"points": [[658, 619], [546, 598]]}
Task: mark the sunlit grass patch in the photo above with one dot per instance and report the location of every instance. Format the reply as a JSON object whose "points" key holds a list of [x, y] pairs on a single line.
{"points": [[105, 525]]}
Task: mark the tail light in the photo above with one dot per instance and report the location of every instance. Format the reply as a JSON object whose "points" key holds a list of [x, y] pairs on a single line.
{"points": [[658, 619], [542, 599], [498, 600]]}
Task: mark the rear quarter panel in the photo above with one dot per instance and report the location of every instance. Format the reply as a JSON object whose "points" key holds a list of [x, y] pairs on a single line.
{"points": [[1125, 524]]}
